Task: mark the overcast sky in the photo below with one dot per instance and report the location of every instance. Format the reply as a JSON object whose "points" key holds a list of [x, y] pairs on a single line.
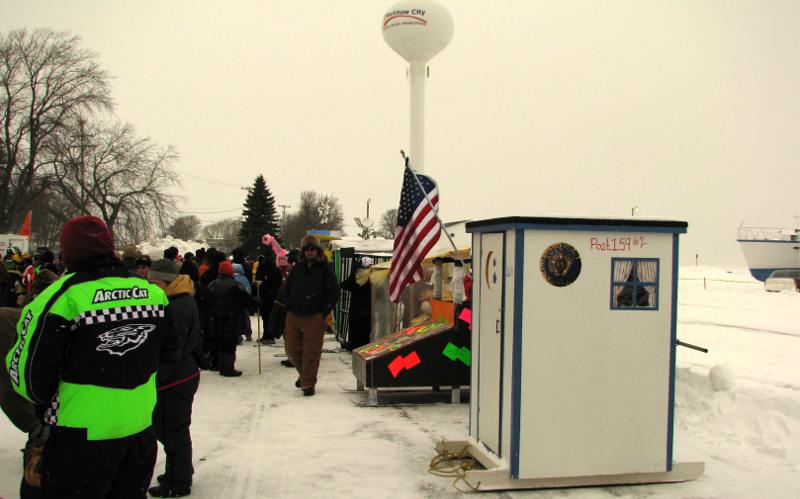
{"points": [[685, 109]]}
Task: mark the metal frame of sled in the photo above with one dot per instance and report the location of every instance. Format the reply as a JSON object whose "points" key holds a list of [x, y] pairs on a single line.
{"points": [[372, 392], [496, 476]]}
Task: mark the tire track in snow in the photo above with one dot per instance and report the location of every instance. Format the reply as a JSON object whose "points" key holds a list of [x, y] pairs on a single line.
{"points": [[243, 482]]}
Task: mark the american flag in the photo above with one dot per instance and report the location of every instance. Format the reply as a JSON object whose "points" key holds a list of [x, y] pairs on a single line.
{"points": [[416, 232]]}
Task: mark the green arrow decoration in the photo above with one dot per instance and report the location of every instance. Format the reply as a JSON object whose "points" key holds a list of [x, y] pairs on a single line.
{"points": [[455, 353]]}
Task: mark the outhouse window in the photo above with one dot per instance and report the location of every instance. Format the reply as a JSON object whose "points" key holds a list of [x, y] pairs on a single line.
{"points": [[634, 283]]}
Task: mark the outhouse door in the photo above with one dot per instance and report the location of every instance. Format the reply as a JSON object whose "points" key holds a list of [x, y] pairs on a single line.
{"points": [[490, 340]]}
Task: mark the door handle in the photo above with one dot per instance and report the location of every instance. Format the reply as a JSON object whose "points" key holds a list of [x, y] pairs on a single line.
{"points": [[497, 326]]}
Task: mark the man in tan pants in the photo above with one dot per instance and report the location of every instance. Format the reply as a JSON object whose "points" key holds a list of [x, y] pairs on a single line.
{"points": [[311, 293]]}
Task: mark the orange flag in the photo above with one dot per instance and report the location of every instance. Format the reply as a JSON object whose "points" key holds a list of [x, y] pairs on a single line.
{"points": [[26, 226]]}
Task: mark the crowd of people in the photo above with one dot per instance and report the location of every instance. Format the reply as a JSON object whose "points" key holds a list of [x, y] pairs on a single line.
{"points": [[103, 351]]}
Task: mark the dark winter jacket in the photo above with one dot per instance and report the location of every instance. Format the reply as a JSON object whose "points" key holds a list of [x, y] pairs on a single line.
{"points": [[183, 336], [19, 410], [360, 295], [311, 290], [359, 324], [271, 279], [277, 316], [204, 300], [230, 302], [188, 267]]}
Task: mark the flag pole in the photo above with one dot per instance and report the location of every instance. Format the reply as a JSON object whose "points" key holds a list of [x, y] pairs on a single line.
{"points": [[433, 209]]}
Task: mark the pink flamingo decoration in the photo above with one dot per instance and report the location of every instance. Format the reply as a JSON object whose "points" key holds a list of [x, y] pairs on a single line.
{"points": [[280, 253]]}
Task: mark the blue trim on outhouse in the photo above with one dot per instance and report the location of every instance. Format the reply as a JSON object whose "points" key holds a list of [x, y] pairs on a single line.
{"points": [[502, 345], [474, 352], [516, 360], [672, 346], [478, 349]]}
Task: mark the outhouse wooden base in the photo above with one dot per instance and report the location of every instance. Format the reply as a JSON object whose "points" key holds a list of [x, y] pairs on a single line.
{"points": [[496, 475]]}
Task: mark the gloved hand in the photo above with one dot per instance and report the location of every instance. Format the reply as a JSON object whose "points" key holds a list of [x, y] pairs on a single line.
{"points": [[32, 457]]}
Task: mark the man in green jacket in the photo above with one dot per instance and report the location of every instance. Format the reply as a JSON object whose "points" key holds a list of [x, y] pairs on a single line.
{"points": [[86, 355]]}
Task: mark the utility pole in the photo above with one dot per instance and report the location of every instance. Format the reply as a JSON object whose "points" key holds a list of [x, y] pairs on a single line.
{"points": [[368, 200], [283, 214]]}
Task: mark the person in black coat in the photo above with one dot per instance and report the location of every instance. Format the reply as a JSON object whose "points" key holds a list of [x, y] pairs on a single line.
{"points": [[271, 278], [311, 293], [230, 302], [189, 267], [360, 304], [177, 379]]}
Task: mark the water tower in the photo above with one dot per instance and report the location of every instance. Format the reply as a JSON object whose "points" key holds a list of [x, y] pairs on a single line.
{"points": [[417, 30]]}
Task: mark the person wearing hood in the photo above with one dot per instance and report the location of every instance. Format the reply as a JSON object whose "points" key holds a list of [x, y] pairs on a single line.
{"points": [[311, 293], [178, 379], [86, 355], [230, 302]]}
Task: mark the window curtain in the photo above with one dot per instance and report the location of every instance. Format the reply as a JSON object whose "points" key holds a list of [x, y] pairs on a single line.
{"points": [[622, 270], [647, 271]]}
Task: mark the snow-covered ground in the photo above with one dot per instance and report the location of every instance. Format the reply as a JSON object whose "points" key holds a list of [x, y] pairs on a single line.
{"points": [[257, 436]]}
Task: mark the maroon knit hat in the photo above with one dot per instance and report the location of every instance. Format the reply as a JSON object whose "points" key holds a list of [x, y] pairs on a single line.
{"points": [[85, 238], [225, 268]]}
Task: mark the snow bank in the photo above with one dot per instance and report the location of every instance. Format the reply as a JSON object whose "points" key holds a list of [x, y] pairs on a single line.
{"points": [[155, 249]]}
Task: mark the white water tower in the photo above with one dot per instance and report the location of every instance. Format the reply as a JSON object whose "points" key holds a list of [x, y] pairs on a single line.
{"points": [[417, 30]]}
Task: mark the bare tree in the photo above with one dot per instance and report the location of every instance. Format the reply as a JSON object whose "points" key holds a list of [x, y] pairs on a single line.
{"points": [[106, 170], [316, 212], [44, 77], [186, 227], [388, 223], [50, 212], [224, 234], [137, 230]]}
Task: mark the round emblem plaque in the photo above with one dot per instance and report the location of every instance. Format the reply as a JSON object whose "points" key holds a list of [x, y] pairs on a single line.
{"points": [[560, 264]]}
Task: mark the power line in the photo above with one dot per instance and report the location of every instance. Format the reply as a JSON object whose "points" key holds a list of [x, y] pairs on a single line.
{"points": [[210, 180], [209, 211]]}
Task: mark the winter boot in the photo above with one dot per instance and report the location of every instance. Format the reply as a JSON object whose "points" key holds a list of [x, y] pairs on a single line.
{"points": [[164, 491], [226, 361]]}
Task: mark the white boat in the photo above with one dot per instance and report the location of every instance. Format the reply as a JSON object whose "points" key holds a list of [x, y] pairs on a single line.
{"points": [[767, 249]]}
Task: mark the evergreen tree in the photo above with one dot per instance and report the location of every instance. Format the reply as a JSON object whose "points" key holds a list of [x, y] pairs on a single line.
{"points": [[259, 217]]}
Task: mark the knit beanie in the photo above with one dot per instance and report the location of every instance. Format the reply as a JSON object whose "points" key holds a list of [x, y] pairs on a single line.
{"points": [[85, 238], [225, 268]]}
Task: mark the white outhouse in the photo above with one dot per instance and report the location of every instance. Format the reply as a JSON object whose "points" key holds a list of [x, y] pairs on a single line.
{"points": [[573, 352]]}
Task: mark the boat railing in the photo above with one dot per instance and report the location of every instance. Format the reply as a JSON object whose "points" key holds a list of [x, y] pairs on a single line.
{"points": [[768, 234]]}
